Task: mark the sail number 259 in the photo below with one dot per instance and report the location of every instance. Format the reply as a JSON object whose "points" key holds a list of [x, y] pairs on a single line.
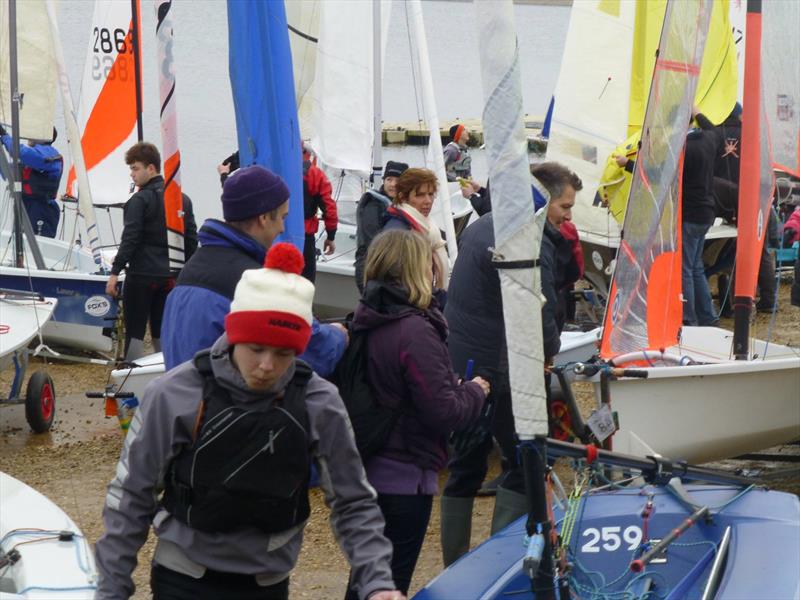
{"points": [[612, 538]]}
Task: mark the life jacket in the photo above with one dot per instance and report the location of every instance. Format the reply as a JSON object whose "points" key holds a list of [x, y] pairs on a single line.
{"points": [[246, 468], [38, 184]]}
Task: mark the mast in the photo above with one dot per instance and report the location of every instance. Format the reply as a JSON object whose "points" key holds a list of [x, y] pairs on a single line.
{"points": [[137, 66], [19, 249], [74, 139], [173, 197], [749, 244], [377, 99]]}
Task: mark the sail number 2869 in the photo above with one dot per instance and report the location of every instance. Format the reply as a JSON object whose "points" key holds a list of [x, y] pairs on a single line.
{"points": [[612, 538]]}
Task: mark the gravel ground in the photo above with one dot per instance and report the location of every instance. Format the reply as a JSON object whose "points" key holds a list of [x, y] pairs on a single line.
{"points": [[73, 464]]}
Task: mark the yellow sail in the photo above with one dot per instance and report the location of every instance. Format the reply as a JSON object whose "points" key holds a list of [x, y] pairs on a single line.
{"points": [[715, 95]]}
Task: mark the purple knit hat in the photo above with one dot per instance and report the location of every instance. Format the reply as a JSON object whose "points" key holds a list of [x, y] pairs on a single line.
{"points": [[252, 191]]}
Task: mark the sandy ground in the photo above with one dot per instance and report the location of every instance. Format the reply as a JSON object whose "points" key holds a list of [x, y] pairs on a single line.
{"points": [[73, 464]]}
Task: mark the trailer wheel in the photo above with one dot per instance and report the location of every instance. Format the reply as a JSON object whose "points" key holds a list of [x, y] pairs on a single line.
{"points": [[40, 402]]}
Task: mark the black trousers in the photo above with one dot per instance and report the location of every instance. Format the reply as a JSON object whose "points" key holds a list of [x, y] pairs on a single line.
{"points": [[144, 299], [310, 257], [407, 517], [167, 584]]}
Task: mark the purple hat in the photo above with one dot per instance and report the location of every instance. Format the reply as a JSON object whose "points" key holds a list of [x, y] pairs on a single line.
{"points": [[252, 191]]}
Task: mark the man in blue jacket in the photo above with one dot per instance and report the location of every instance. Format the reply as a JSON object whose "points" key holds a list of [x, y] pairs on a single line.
{"points": [[42, 166], [254, 206]]}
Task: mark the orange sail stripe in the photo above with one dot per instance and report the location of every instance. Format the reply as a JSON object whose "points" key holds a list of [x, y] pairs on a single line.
{"points": [[114, 114], [679, 67], [173, 198]]}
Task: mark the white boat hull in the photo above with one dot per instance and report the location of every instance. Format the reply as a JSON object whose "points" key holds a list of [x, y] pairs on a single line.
{"points": [[707, 412], [20, 320], [48, 568]]}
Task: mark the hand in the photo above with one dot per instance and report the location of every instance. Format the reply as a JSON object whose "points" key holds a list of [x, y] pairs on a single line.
{"points": [[330, 247], [111, 286], [223, 168], [387, 595], [484, 385], [467, 192], [476, 187], [622, 160]]}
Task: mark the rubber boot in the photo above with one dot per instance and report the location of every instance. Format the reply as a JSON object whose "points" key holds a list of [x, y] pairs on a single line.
{"points": [[508, 507], [456, 522], [156, 344], [135, 350]]}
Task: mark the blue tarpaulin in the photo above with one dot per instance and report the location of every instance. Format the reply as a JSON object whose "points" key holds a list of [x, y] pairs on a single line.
{"points": [[260, 65]]}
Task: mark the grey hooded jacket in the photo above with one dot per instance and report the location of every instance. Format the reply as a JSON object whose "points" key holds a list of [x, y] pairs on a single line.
{"points": [[163, 426]]}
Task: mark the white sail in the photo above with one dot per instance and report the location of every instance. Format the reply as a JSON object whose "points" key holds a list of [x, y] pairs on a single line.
{"points": [[780, 80], [107, 107], [590, 117], [517, 229], [434, 159], [302, 17], [36, 70], [86, 208], [343, 111]]}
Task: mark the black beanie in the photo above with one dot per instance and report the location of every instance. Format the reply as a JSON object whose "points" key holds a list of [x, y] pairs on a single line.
{"points": [[394, 169]]}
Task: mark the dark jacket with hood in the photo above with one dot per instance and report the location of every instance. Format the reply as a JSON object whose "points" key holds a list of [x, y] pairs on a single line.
{"points": [[143, 248], [370, 215], [555, 258], [702, 146], [194, 316], [410, 369]]}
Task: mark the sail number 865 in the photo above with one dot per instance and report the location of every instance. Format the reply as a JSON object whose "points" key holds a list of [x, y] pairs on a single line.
{"points": [[610, 536], [106, 41]]}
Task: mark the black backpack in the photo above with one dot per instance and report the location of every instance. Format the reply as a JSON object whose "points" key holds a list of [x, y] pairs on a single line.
{"points": [[372, 423]]}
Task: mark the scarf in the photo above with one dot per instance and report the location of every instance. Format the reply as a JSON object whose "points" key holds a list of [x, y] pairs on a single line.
{"points": [[441, 263]]}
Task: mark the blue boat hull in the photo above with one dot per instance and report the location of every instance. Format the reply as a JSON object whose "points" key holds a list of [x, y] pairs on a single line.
{"points": [[762, 561]]}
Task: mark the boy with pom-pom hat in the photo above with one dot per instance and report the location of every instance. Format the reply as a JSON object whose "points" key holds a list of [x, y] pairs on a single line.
{"points": [[229, 437]]}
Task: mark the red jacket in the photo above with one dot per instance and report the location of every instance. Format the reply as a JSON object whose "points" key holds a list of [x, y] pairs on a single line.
{"points": [[317, 196], [793, 222]]}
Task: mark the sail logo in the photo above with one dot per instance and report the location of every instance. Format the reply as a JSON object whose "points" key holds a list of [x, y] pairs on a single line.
{"points": [[615, 307], [97, 306]]}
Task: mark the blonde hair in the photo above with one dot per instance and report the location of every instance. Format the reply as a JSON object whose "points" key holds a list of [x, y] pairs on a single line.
{"points": [[403, 257], [411, 180]]}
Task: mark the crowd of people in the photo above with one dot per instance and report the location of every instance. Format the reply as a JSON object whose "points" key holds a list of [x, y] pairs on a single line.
{"points": [[219, 458]]}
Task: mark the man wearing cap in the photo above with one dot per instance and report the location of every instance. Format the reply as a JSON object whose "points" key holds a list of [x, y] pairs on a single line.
{"points": [[371, 214], [143, 251], [254, 205], [457, 161], [42, 166], [235, 497]]}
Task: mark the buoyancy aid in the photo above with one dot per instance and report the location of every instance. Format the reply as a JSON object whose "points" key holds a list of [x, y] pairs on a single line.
{"points": [[245, 468], [41, 184]]}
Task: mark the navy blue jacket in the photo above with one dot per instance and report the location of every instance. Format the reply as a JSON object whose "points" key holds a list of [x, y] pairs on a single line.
{"points": [[194, 316]]}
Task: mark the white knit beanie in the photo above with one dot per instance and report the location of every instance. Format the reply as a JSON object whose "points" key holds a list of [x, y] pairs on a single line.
{"points": [[272, 306]]}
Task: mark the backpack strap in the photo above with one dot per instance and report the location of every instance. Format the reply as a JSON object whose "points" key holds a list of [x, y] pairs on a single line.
{"points": [[294, 396], [202, 362]]}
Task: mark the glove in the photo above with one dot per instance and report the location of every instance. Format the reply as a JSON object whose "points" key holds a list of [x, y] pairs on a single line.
{"points": [[473, 436]]}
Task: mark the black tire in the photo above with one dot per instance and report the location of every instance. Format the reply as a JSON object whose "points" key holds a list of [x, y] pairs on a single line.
{"points": [[40, 402]]}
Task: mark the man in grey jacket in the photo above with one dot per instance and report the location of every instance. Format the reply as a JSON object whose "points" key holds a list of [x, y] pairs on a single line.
{"points": [[218, 455]]}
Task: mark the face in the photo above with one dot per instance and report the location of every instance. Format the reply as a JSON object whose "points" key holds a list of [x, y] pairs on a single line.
{"points": [[261, 366], [421, 198], [271, 227], [141, 173], [462, 141], [560, 209], [390, 186]]}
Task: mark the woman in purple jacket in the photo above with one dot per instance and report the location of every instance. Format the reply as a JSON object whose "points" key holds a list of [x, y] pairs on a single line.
{"points": [[409, 369]]}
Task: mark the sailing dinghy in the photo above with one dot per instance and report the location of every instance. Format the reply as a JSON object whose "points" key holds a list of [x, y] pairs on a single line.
{"points": [[698, 402], [74, 275], [655, 536], [43, 553]]}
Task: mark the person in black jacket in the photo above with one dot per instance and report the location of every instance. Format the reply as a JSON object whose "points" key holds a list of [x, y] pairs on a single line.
{"points": [[371, 214], [143, 251], [474, 313]]}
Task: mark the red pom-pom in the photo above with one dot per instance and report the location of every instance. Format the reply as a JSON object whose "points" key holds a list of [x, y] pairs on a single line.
{"points": [[285, 257]]}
